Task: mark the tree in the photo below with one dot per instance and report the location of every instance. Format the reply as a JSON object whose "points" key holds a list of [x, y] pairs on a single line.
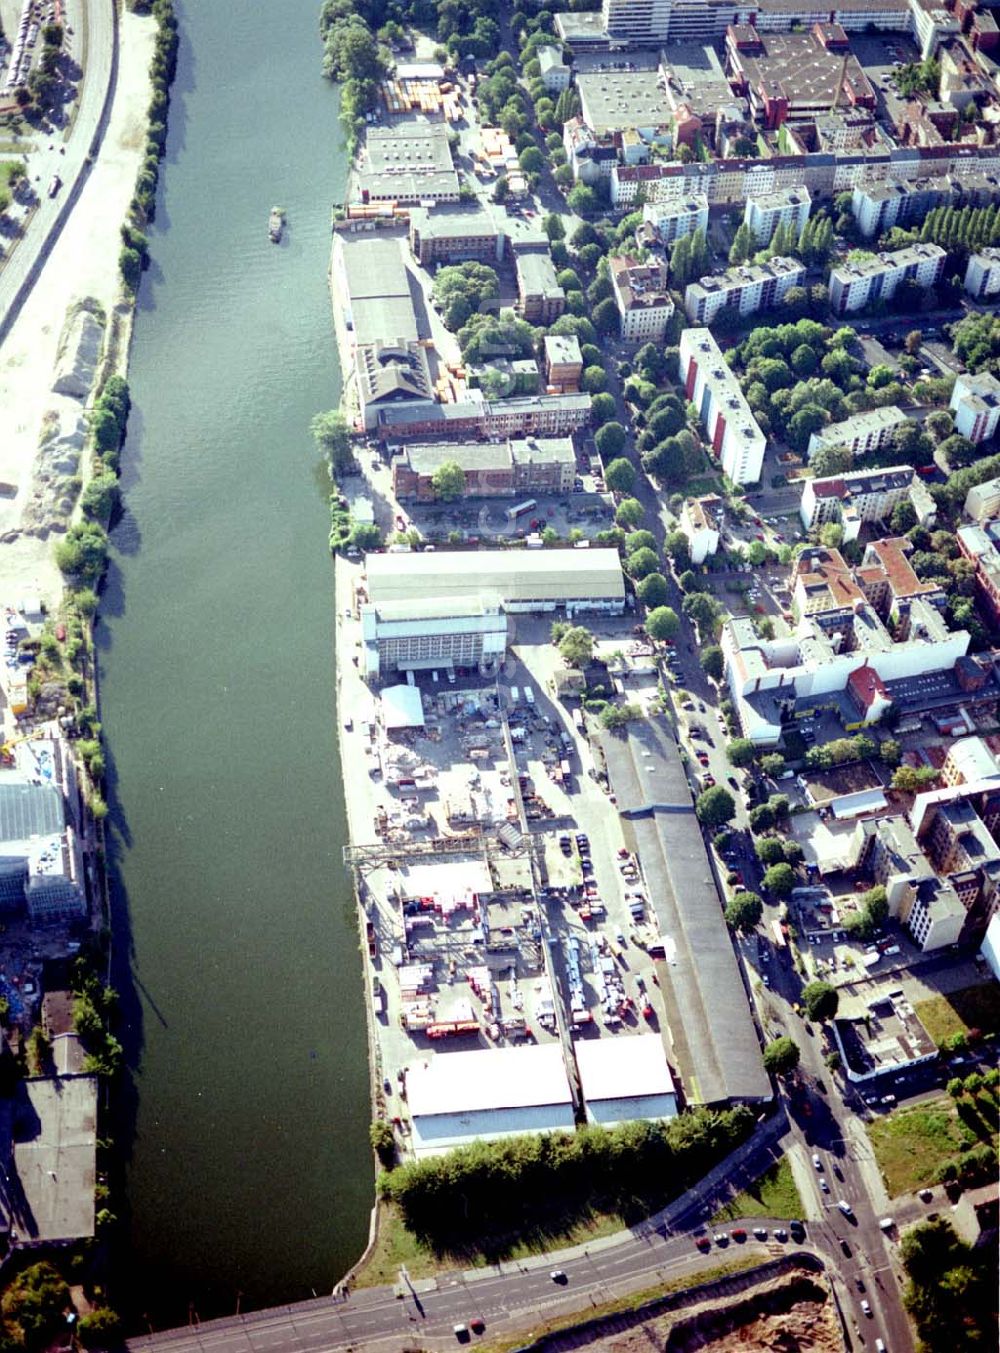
{"points": [[576, 647], [912, 342], [743, 246], [769, 850], [583, 200], [831, 460], [781, 1056], [100, 496], [620, 475], [610, 440], [761, 817], [630, 512], [652, 591], [602, 409], [703, 610], [641, 564], [820, 1000], [772, 764], [617, 716], [779, 880], [903, 518], [744, 912], [741, 752], [662, 623], [715, 807], [678, 547], [712, 662], [911, 779], [831, 534], [383, 1142], [605, 316], [872, 912], [82, 554], [553, 226], [333, 436], [448, 481]]}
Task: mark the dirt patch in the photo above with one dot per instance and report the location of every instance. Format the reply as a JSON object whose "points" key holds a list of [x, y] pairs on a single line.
{"points": [[785, 1315]]}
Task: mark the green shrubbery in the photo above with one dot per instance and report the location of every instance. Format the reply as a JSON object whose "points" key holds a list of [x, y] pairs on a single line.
{"points": [[162, 69], [486, 1194]]}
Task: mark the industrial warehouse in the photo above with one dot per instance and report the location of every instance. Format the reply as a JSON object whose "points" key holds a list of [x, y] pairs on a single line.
{"points": [[537, 957]]}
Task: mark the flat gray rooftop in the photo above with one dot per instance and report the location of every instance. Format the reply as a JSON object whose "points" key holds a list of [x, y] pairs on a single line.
{"points": [[715, 1044], [50, 1188]]}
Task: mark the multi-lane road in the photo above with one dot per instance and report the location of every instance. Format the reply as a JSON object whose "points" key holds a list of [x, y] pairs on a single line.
{"points": [[100, 63]]}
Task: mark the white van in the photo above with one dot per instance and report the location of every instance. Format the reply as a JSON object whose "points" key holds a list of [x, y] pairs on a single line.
{"points": [[845, 1207]]}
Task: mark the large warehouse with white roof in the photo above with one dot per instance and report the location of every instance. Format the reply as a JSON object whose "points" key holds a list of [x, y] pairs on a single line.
{"points": [[448, 609], [459, 1097], [623, 1079]]}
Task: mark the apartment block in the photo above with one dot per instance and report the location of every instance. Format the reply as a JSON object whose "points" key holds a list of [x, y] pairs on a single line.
{"points": [[671, 221], [982, 274], [700, 521], [555, 72], [877, 207], [855, 285], [751, 287], [786, 207], [563, 363], [710, 384], [863, 496], [637, 21], [644, 304], [861, 434], [982, 502], [542, 298], [975, 403], [980, 550]]}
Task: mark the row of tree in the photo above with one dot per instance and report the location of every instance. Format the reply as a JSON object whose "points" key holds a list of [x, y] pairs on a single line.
{"points": [[489, 1194]]}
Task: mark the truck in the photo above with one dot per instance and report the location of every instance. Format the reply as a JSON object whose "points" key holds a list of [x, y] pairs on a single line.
{"points": [[54, 186], [529, 696], [513, 513]]}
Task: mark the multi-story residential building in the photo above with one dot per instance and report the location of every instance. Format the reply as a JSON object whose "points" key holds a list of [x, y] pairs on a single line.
{"points": [[542, 298], [785, 207], [638, 21], [975, 403], [555, 72], [877, 207], [885, 850], [750, 287], [982, 502], [711, 385], [862, 496], [700, 521], [590, 157], [563, 364], [890, 585], [862, 433], [671, 221], [982, 274], [933, 22], [969, 761], [980, 550], [933, 913], [494, 470], [644, 304], [855, 285]]}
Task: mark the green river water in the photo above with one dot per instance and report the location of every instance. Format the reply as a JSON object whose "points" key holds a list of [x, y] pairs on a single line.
{"points": [[249, 1175]]}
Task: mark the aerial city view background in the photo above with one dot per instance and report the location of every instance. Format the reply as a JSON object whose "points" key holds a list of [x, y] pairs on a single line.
{"points": [[500, 765]]}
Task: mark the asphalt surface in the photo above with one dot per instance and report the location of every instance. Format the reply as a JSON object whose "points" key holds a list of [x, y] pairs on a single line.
{"points": [[96, 90]]}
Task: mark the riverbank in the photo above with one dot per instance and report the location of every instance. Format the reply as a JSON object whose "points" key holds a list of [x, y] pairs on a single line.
{"points": [[83, 263]]}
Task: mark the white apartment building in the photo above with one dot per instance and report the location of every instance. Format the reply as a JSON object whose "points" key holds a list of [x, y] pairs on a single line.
{"points": [[975, 403], [855, 285], [673, 220], [982, 275], [750, 287], [932, 23], [638, 21], [787, 206], [861, 434], [699, 521], [644, 303], [877, 206], [863, 496], [555, 72], [710, 384], [982, 502]]}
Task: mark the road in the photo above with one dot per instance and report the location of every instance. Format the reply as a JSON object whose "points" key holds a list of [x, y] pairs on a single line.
{"points": [[513, 1296], [96, 95]]}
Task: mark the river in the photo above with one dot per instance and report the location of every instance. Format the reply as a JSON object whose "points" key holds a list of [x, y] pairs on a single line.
{"points": [[249, 1177]]}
